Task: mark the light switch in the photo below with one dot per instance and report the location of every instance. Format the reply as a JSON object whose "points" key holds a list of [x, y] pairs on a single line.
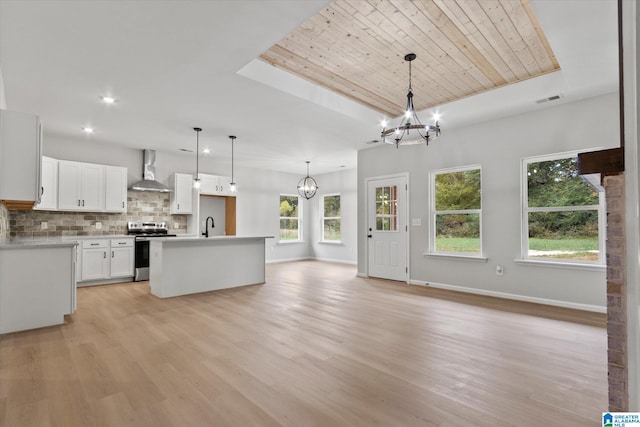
{"points": [[44, 225], [176, 225], [98, 226]]}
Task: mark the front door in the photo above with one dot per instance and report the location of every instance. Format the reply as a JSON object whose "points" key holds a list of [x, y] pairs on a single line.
{"points": [[387, 228]]}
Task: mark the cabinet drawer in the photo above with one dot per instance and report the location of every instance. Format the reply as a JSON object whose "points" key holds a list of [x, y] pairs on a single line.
{"points": [[121, 243], [92, 244]]}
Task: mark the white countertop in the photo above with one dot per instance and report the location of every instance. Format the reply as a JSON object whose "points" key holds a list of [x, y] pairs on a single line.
{"points": [[32, 243], [211, 239]]}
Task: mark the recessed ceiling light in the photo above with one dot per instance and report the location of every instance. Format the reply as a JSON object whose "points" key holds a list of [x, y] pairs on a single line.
{"points": [[108, 99], [206, 150], [88, 129]]}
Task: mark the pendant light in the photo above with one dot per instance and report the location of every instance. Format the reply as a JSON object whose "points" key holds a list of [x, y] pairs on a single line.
{"points": [[196, 181], [232, 185], [307, 186]]}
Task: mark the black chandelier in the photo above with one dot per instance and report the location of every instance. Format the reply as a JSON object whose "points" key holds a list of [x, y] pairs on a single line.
{"points": [[401, 134], [307, 186]]}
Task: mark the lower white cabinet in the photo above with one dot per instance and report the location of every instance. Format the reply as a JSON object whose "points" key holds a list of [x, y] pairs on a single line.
{"points": [[95, 263], [104, 259], [122, 256]]}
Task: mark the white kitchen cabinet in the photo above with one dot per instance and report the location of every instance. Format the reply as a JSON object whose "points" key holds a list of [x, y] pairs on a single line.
{"points": [[37, 285], [49, 200], [80, 186], [182, 196], [122, 258], [102, 259], [214, 185], [115, 189], [95, 261], [20, 159]]}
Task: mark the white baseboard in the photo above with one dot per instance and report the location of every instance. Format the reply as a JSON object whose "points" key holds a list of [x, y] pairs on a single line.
{"points": [[545, 301], [309, 258], [277, 261], [360, 274], [337, 261]]}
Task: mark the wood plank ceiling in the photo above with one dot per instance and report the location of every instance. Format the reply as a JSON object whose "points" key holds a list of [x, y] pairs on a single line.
{"points": [[463, 47]]}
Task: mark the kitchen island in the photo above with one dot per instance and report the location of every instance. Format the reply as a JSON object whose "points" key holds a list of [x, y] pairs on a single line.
{"points": [[188, 265], [37, 283]]}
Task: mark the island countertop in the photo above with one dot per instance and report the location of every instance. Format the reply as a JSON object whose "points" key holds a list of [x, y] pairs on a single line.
{"points": [[193, 238], [188, 265]]}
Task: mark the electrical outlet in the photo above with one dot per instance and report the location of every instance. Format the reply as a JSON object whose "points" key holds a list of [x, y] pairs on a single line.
{"points": [[98, 226], [499, 270], [44, 225], [176, 225]]}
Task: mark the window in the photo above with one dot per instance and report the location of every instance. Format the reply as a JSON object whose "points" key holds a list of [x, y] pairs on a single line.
{"points": [[387, 208], [563, 213], [331, 218], [290, 218], [456, 211]]}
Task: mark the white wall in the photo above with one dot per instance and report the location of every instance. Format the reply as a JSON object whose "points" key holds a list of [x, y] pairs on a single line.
{"points": [[3, 97], [498, 146], [346, 184]]}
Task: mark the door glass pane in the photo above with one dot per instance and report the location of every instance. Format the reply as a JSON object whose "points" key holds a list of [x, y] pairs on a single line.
{"points": [[387, 208]]}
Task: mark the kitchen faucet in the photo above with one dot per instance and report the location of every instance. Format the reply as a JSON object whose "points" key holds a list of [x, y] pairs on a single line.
{"points": [[206, 224]]}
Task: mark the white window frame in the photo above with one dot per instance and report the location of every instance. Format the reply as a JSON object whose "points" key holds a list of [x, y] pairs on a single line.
{"points": [[299, 217], [323, 218], [524, 203], [433, 213]]}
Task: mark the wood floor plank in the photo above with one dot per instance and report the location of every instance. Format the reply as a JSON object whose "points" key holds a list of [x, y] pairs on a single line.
{"points": [[313, 346]]}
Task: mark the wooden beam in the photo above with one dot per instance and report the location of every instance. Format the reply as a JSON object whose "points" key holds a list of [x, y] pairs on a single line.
{"points": [[230, 216], [605, 162]]}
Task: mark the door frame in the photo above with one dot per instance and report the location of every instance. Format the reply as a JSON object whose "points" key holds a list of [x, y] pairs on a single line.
{"points": [[404, 175]]}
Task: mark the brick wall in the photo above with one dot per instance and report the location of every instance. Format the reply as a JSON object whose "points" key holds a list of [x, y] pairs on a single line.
{"points": [[141, 206], [4, 222], [616, 294]]}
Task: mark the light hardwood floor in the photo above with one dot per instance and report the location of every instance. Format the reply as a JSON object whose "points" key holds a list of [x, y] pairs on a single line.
{"points": [[314, 346]]}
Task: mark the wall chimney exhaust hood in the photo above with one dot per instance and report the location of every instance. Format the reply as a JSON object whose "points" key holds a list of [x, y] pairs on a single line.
{"points": [[149, 182]]}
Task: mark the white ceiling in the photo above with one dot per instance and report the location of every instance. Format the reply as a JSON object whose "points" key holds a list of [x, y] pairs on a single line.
{"points": [[174, 65]]}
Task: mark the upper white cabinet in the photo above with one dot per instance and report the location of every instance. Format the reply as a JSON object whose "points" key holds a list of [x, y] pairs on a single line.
{"points": [[20, 159], [115, 189], [80, 186], [215, 185], [49, 200], [182, 195]]}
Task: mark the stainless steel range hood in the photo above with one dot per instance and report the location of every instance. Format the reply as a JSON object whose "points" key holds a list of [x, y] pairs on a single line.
{"points": [[149, 182]]}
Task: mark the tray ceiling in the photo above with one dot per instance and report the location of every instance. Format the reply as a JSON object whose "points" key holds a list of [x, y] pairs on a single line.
{"points": [[357, 47]]}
